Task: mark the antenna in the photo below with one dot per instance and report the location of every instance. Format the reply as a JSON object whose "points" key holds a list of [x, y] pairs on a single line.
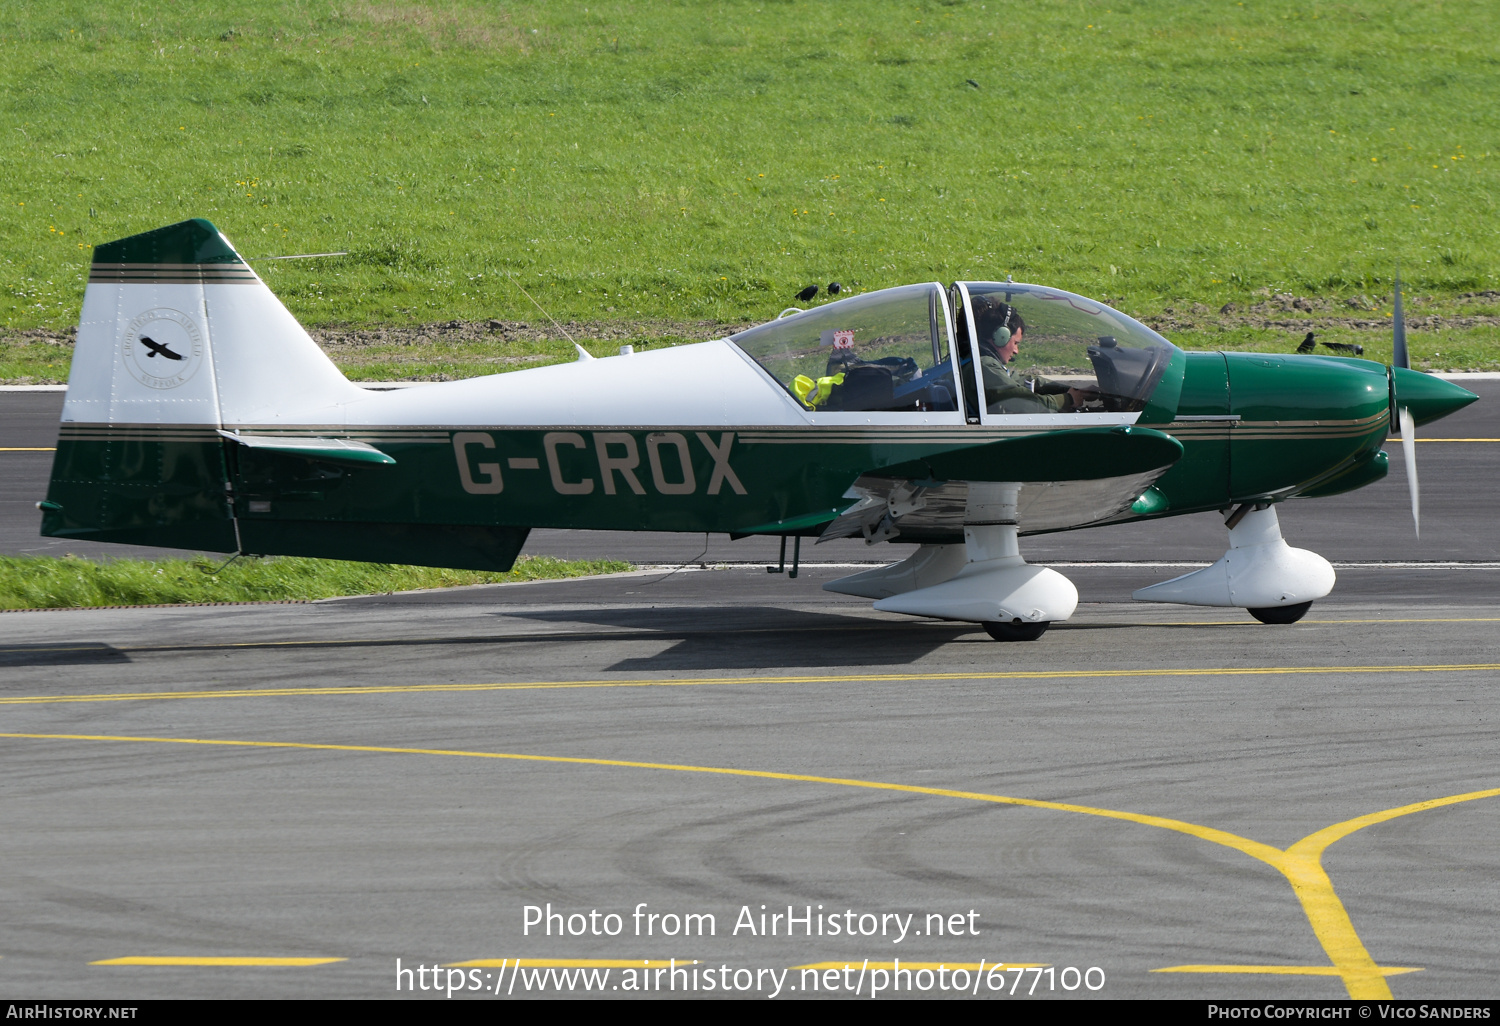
{"points": [[305, 256], [545, 314]]}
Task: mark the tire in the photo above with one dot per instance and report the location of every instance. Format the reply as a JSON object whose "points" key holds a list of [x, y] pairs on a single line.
{"points": [[1016, 630], [1281, 614]]}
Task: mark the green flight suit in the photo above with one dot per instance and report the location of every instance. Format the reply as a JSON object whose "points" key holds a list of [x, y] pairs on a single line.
{"points": [[1005, 392]]}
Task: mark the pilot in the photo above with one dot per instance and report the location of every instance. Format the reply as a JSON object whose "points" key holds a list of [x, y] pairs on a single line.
{"points": [[1000, 329]]}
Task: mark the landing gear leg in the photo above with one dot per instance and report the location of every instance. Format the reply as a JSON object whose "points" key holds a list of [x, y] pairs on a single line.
{"points": [[1014, 600]]}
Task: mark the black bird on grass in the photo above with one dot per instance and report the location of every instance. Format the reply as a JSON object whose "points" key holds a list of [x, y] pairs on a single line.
{"points": [[1352, 348], [807, 293], [834, 288]]}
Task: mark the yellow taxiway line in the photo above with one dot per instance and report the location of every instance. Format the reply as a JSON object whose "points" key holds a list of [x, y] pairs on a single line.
{"points": [[1300, 864], [870, 678], [1279, 970], [214, 960]]}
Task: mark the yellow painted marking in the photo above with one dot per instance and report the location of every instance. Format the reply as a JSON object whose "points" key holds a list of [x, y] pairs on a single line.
{"points": [[26, 448], [214, 960], [872, 678], [914, 966], [1278, 970], [1068, 625], [1453, 619], [565, 963], [1301, 864]]}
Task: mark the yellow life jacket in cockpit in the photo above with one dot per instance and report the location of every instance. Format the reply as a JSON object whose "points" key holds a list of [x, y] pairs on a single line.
{"points": [[815, 393]]}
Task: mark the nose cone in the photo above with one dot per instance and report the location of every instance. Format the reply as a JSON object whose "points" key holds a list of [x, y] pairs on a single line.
{"points": [[1428, 397]]}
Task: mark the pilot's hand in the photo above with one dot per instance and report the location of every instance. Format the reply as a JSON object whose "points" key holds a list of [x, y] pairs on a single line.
{"points": [[1079, 396]]}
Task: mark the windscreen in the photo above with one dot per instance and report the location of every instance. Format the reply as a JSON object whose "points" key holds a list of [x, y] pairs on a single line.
{"points": [[1043, 350]]}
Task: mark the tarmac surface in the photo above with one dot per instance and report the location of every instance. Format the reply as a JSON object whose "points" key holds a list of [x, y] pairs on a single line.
{"points": [[1298, 812]]}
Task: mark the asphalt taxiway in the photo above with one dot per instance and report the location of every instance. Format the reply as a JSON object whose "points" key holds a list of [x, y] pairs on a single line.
{"points": [[1195, 804], [399, 777]]}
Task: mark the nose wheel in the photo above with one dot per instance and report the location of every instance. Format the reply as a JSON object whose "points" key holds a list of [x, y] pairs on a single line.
{"points": [[1281, 614], [1016, 631]]}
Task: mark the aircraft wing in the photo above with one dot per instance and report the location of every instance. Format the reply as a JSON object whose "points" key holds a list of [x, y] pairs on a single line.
{"points": [[1068, 479]]}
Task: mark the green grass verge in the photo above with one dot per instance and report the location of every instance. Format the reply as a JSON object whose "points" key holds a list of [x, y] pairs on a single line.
{"points": [[28, 582], [1460, 336], [688, 160]]}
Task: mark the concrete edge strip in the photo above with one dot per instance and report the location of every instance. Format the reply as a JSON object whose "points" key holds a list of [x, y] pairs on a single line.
{"points": [[654, 569]]}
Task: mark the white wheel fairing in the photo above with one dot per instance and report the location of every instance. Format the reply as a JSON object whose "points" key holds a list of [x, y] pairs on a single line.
{"points": [[1260, 570]]}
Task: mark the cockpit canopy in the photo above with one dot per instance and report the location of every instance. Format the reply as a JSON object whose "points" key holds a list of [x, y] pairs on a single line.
{"points": [[891, 351], [1111, 362], [883, 351]]}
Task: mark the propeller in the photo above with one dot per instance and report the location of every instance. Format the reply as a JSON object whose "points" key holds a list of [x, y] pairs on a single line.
{"points": [[1400, 358], [1409, 450], [1416, 398]]}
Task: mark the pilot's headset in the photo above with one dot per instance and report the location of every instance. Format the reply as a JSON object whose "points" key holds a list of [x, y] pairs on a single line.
{"points": [[995, 322]]}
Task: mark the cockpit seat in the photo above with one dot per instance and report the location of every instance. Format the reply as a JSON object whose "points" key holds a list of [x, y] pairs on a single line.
{"points": [[867, 386]]}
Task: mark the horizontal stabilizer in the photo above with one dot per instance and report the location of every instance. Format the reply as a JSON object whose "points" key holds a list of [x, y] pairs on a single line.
{"points": [[335, 450]]}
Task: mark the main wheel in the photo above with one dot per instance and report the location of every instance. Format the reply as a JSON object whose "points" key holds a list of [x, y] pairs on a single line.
{"points": [[1016, 630], [1281, 614]]}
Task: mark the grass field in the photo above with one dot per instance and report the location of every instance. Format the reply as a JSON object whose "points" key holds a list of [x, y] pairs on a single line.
{"points": [[34, 582], [685, 161]]}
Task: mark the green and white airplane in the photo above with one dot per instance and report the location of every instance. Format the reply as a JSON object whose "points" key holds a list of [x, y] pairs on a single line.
{"points": [[200, 415]]}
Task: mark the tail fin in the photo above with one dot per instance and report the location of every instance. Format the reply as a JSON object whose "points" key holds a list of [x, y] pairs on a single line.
{"points": [[178, 338], [177, 329]]}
